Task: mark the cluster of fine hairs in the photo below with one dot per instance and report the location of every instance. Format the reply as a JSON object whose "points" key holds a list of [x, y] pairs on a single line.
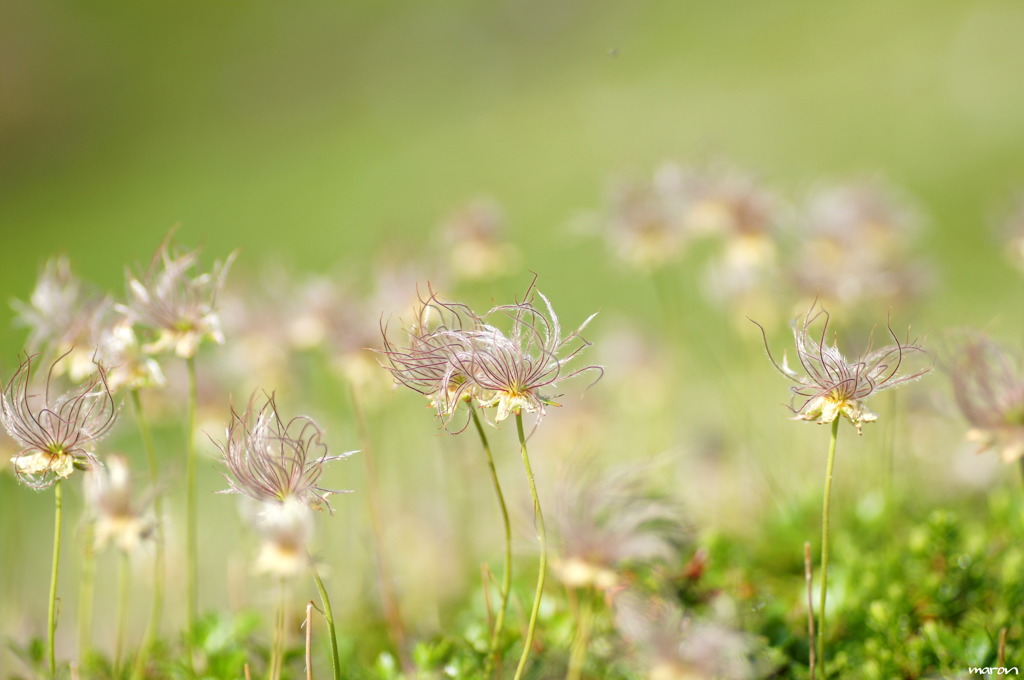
{"points": [[614, 535], [58, 432], [453, 355], [831, 384]]}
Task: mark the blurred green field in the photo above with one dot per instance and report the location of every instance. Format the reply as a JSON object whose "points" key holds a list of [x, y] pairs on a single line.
{"points": [[335, 137]]}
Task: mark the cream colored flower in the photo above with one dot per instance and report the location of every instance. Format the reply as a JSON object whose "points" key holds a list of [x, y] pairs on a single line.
{"points": [[278, 464], [120, 519], [179, 308], [127, 365], [57, 433], [832, 385]]}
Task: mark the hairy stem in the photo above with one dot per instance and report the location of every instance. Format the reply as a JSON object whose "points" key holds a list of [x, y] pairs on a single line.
{"points": [[328, 617], [277, 651], [542, 538], [123, 577], [808, 576], [824, 547], [506, 580], [192, 548], [309, 640], [51, 612], [86, 592], [581, 640], [155, 614]]}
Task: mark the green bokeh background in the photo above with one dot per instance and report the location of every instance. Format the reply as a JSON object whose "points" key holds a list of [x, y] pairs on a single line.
{"points": [[327, 133], [327, 130]]}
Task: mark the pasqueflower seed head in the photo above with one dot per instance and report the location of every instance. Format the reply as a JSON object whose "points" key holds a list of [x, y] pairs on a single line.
{"points": [[269, 459], [988, 385], [605, 521], [178, 307], [56, 432], [437, 357], [63, 316], [519, 368], [832, 385], [675, 646], [278, 464]]}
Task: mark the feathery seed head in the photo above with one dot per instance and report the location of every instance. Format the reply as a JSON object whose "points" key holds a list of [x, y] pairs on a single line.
{"points": [[278, 465], [604, 521], [271, 460], [179, 308], [519, 368], [64, 316], [56, 433], [832, 385], [454, 355], [675, 646], [988, 385], [437, 360], [856, 245]]}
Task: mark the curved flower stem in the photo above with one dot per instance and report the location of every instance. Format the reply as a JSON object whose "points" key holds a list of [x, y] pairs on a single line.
{"points": [[51, 612], [506, 580], [156, 612], [581, 640], [192, 547], [543, 539], [124, 580], [328, 617], [824, 547]]}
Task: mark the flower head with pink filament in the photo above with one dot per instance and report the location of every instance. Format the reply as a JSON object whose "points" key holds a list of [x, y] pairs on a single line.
{"points": [[436, 360], [455, 355], [988, 385], [518, 368], [57, 433], [271, 460], [181, 309], [832, 385]]}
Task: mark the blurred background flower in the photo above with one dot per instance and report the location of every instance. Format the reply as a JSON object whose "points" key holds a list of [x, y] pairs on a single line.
{"points": [[329, 143]]}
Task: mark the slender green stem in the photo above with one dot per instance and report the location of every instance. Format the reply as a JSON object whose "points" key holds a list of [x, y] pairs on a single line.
{"points": [[328, 617], [192, 547], [86, 592], [156, 612], [51, 612], [277, 652], [309, 640], [824, 547], [808, 578], [389, 601], [506, 580], [581, 640], [543, 539], [124, 579]]}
